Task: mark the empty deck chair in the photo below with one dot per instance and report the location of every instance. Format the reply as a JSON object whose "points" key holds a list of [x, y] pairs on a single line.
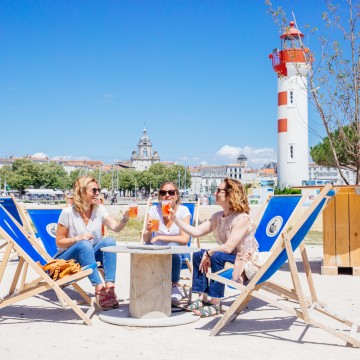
{"points": [[11, 205], [33, 255], [308, 309]]}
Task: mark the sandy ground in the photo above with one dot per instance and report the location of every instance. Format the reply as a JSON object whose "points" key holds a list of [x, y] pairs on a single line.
{"points": [[38, 328]]}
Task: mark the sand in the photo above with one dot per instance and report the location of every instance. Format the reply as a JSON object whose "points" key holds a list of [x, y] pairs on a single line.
{"points": [[38, 328]]}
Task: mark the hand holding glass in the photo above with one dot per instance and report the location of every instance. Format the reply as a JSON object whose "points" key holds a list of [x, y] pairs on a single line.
{"points": [[165, 207], [155, 223], [133, 210]]}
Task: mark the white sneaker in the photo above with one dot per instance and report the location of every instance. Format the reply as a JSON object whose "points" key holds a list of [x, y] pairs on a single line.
{"points": [[176, 296]]}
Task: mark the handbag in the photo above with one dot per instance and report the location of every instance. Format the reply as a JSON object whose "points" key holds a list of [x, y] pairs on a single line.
{"points": [[60, 268]]}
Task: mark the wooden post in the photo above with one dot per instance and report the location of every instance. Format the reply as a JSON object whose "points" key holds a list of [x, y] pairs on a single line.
{"points": [[150, 289], [342, 232]]}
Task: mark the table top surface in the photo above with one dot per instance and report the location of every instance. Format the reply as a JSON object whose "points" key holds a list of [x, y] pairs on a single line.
{"points": [[151, 249]]}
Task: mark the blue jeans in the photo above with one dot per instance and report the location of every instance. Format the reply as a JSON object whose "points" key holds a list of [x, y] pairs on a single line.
{"points": [[85, 254], [200, 282], [176, 263]]}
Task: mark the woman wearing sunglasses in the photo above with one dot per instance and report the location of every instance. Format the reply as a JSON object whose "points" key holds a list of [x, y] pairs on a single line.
{"points": [[169, 233], [79, 237], [233, 231]]}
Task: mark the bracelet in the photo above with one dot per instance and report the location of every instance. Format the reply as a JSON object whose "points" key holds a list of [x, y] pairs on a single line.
{"points": [[207, 253], [124, 221]]}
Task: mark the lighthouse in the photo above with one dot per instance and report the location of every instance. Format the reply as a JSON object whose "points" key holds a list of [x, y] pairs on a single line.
{"points": [[292, 64]]}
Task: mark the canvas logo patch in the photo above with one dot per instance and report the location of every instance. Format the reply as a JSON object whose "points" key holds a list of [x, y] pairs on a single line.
{"points": [[51, 229], [274, 225]]}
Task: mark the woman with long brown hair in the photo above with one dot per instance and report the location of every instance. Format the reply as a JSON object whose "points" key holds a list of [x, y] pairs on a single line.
{"points": [[233, 231]]}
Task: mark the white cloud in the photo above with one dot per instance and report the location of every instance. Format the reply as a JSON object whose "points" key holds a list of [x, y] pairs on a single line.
{"points": [[257, 157], [39, 155]]}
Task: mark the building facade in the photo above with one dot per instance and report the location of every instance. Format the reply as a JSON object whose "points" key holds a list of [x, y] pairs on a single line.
{"points": [[319, 175], [144, 157]]}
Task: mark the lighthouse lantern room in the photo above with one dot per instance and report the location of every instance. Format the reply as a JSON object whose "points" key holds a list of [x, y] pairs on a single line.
{"points": [[292, 64]]}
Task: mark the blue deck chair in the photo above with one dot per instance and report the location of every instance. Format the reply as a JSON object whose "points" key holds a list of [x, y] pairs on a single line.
{"points": [[308, 309], [45, 222], [9, 203], [275, 215], [33, 255]]}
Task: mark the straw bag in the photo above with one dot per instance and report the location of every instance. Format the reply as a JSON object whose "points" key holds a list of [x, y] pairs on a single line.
{"points": [[58, 269]]}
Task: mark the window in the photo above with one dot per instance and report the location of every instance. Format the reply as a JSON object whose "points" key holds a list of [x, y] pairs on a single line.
{"points": [[291, 154], [145, 152], [291, 98]]}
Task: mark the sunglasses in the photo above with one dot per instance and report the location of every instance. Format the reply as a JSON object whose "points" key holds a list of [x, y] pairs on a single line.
{"points": [[95, 190], [164, 192], [218, 190]]}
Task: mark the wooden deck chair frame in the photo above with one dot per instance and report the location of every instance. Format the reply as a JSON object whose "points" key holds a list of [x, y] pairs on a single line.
{"points": [[18, 214], [30, 252], [305, 308], [186, 284]]}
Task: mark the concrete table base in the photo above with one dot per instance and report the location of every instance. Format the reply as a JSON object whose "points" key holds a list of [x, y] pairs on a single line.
{"points": [[121, 316]]}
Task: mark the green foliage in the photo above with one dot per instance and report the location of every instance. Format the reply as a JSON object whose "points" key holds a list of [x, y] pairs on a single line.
{"points": [[322, 153], [286, 191], [162, 173], [24, 173]]}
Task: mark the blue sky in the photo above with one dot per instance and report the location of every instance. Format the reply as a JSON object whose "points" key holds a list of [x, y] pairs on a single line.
{"points": [[81, 78]]}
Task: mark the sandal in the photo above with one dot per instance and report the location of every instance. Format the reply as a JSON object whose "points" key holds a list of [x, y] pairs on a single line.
{"points": [[104, 301], [208, 310], [195, 305], [111, 293]]}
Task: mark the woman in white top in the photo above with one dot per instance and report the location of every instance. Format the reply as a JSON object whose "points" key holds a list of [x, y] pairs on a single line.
{"points": [[169, 233], [235, 240], [79, 237]]}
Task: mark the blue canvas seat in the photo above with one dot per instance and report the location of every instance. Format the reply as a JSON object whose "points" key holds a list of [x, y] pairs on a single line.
{"points": [[308, 309], [32, 255], [275, 215], [9, 203], [45, 222]]}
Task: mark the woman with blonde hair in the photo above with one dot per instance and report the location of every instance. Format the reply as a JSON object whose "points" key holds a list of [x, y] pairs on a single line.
{"points": [[233, 231], [79, 237]]}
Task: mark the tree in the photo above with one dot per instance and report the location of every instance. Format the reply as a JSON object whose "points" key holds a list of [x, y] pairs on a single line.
{"points": [[53, 176], [322, 154], [26, 174], [334, 84]]}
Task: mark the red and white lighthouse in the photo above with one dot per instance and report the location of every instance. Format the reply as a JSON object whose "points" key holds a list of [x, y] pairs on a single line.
{"points": [[292, 64]]}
